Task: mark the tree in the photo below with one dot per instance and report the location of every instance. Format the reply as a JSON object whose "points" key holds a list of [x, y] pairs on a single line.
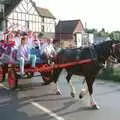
{"points": [[115, 35], [90, 30]]}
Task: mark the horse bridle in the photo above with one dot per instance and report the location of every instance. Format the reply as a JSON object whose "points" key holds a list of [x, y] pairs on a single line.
{"points": [[114, 51]]}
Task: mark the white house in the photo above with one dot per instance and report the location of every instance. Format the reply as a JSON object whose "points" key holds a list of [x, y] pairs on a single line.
{"points": [[26, 15]]}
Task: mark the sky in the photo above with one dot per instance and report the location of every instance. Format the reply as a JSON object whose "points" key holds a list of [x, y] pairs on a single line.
{"points": [[96, 13]]}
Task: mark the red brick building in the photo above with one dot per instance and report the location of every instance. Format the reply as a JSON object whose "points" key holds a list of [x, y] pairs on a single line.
{"points": [[66, 33]]}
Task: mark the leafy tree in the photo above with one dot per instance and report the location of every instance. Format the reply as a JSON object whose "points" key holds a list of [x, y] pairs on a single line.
{"points": [[115, 35], [90, 30]]}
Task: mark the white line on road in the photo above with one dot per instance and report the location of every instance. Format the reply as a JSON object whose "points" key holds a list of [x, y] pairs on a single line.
{"points": [[47, 111]]}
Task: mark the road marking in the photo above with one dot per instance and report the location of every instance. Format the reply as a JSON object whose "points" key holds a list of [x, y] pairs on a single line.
{"points": [[1, 85], [47, 111]]}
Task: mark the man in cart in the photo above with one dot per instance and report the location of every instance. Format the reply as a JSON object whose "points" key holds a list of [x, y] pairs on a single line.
{"points": [[46, 48]]}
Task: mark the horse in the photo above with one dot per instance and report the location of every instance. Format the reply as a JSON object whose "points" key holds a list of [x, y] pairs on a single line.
{"points": [[117, 51], [98, 55]]}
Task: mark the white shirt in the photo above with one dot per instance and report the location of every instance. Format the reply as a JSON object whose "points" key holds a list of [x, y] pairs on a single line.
{"points": [[17, 42], [49, 50]]}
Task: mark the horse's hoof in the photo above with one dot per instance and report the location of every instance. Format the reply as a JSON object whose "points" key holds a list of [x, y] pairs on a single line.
{"points": [[80, 96], [95, 107], [72, 94], [58, 93]]}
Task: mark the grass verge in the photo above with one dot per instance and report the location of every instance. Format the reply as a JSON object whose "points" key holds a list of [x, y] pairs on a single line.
{"points": [[112, 74]]}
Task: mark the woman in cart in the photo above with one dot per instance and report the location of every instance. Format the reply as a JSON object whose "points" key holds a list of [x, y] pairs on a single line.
{"points": [[23, 55]]}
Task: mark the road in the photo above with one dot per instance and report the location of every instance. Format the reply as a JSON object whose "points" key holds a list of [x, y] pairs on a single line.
{"points": [[31, 101]]}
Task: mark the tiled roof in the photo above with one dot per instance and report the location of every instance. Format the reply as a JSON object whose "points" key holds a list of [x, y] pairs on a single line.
{"points": [[67, 26], [41, 11], [10, 7], [44, 12]]}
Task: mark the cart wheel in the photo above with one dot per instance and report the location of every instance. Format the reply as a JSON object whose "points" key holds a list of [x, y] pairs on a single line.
{"points": [[46, 77], [2, 75], [12, 79]]}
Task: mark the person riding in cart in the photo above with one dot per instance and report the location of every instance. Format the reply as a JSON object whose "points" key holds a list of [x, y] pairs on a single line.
{"points": [[46, 47], [50, 50], [23, 55]]}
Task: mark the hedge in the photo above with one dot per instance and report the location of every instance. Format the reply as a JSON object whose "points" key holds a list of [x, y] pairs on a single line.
{"points": [[112, 74]]}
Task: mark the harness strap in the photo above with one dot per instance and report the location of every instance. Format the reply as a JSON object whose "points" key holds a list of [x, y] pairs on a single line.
{"points": [[93, 52]]}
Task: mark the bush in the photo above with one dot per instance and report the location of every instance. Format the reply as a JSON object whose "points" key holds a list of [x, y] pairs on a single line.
{"points": [[110, 74]]}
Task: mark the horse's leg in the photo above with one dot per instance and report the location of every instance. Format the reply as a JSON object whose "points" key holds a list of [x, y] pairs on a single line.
{"points": [[90, 81], [84, 90], [55, 77], [68, 77], [58, 91]]}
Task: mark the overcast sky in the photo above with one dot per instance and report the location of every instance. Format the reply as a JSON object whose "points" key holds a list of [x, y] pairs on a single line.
{"points": [[96, 13]]}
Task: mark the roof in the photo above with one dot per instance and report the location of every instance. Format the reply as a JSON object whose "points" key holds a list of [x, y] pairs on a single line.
{"points": [[41, 11], [67, 26], [11, 6], [44, 12]]}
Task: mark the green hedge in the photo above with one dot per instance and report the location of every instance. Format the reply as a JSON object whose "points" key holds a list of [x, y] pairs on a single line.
{"points": [[112, 74]]}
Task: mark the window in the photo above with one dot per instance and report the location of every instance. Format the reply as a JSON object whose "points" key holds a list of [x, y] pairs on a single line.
{"points": [[27, 25], [42, 28], [42, 19], [1, 8], [1, 26]]}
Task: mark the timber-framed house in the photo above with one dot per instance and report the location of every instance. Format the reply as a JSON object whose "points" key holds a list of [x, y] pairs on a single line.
{"points": [[26, 15]]}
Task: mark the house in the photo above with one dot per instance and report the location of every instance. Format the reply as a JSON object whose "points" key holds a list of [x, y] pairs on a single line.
{"points": [[69, 33], [26, 15], [95, 39]]}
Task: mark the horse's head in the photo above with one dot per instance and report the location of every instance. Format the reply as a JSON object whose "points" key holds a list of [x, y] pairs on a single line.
{"points": [[116, 50], [107, 49]]}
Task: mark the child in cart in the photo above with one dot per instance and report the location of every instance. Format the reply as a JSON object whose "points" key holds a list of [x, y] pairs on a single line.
{"points": [[23, 55]]}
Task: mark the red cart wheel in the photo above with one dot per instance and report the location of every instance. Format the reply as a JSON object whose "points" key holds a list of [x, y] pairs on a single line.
{"points": [[12, 79], [1, 74]]}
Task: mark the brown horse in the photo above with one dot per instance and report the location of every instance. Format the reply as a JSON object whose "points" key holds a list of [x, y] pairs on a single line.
{"points": [[98, 54]]}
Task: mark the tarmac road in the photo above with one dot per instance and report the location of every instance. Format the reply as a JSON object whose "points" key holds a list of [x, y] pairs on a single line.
{"points": [[31, 101]]}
